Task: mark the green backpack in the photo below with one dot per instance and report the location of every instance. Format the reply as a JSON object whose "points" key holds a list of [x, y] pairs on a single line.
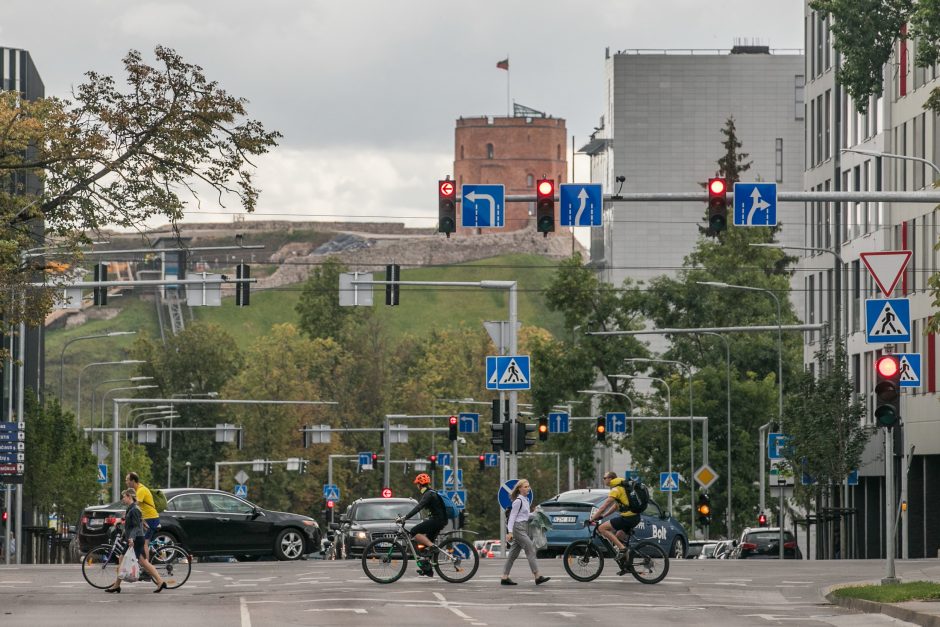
{"points": [[159, 501]]}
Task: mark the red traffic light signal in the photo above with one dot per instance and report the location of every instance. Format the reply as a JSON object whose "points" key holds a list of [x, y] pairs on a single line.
{"points": [[601, 429], [433, 460], [375, 457], [386, 493], [452, 429], [446, 207], [888, 390], [6, 516], [545, 206], [717, 205], [330, 504], [762, 520]]}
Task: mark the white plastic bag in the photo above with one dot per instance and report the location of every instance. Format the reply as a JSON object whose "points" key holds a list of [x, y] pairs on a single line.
{"points": [[130, 567]]}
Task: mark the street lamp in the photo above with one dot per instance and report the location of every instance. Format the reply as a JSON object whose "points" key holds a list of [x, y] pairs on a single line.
{"points": [[104, 395], [610, 393], [123, 362], [728, 443], [668, 423], [94, 390], [75, 339], [875, 153]]}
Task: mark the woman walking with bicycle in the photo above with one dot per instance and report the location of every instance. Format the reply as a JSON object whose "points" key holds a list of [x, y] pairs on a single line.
{"points": [[518, 534], [135, 535]]}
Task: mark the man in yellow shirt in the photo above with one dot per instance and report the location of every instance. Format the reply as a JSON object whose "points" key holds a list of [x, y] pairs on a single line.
{"points": [[148, 511], [625, 522]]}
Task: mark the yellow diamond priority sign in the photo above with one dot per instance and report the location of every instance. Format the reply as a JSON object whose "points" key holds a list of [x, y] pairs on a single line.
{"points": [[705, 476]]}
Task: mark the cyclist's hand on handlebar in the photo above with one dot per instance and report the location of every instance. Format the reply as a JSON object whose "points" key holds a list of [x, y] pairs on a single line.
{"points": [[589, 522], [400, 520]]}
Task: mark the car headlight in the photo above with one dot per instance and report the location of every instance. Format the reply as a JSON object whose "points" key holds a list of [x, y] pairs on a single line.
{"points": [[360, 535]]}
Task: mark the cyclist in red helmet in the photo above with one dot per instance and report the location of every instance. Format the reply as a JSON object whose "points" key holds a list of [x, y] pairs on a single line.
{"points": [[426, 531]]}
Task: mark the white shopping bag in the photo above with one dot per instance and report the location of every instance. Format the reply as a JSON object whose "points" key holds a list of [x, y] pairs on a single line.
{"points": [[130, 567]]}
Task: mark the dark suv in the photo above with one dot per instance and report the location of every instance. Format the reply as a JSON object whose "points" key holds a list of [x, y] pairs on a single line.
{"points": [[368, 519], [211, 522], [764, 543]]}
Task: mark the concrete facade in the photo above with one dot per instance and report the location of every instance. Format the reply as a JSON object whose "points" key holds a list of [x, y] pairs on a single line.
{"points": [[512, 151]]}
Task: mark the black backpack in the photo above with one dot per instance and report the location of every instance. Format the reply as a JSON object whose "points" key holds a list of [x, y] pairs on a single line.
{"points": [[638, 496]]}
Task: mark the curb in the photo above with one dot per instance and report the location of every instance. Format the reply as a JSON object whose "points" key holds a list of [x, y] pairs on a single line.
{"points": [[889, 609]]}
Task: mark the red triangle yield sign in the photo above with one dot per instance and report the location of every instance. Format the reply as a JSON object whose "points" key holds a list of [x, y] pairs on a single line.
{"points": [[886, 267]]}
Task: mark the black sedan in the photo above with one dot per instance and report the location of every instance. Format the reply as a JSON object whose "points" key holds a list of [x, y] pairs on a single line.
{"points": [[367, 519], [211, 522]]}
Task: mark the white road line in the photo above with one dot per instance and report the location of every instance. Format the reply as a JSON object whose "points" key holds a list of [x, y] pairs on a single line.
{"points": [[246, 617], [338, 609]]}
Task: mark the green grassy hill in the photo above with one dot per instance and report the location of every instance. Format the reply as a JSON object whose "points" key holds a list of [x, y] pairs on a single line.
{"points": [[420, 309]]}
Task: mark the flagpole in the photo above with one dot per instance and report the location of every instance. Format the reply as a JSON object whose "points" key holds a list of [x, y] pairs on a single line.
{"points": [[507, 90]]}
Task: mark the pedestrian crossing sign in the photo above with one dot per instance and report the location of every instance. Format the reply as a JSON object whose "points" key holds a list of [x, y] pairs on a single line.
{"points": [[910, 369], [508, 372], [888, 321], [668, 482]]}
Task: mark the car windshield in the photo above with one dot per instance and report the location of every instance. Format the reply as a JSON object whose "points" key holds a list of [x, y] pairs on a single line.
{"points": [[381, 511], [763, 538]]}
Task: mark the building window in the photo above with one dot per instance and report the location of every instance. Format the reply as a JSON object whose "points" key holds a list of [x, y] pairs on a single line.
{"points": [[489, 151], [461, 151], [529, 180], [799, 98], [828, 137], [778, 159]]}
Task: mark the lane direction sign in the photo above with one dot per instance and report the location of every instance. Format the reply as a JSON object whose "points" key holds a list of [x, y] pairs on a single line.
{"points": [[580, 204], [616, 422], [886, 267], [491, 460], [443, 459], [887, 321], [483, 206], [558, 422], [755, 204], [468, 423], [910, 369]]}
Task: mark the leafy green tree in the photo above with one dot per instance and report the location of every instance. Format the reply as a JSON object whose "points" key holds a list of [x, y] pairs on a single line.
{"points": [[319, 308], [115, 157]]}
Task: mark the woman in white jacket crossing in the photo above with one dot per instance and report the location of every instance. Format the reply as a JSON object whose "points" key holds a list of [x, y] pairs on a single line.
{"points": [[518, 534]]}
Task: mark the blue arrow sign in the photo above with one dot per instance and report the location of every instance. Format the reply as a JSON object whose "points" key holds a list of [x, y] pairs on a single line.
{"points": [[508, 372], [469, 423], [852, 479], [668, 482], [482, 206], [887, 321], [102, 473], [443, 459], [755, 204], [505, 491], [580, 204], [491, 460], [776, 443], [449, 478], [558, 422], [459, 497], [910, 369], [241, 490], [365, 459], [616, 422]]}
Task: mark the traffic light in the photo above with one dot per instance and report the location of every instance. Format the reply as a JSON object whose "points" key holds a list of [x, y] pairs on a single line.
{"points": [[392, 274], [762, 520], [600, 430], [717, 205], [303, 466], [523, 440], [545, 206], [704, 510], [386, 493], [452, 429], [432, 460], [242, 298], [543, 428], [375, 458], [888, 390], [268, 468], [500, 436], [482, 464], [101, 293], [6, 516], [446, 207]]}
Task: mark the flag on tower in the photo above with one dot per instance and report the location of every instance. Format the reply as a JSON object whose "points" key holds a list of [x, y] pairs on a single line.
{"points": [[504, 64]]}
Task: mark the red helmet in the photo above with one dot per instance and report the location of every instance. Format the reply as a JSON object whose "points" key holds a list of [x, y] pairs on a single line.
{"points": [[423, 479]]}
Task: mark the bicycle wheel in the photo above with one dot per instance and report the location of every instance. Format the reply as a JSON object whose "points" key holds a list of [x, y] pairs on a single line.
{"points": [[583, 561], [648, 562], [384, 560], [100, 566], [174, 565], [457, 560]]}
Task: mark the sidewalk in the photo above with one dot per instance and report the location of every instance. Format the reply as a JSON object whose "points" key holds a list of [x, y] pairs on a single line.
{"points": [[926, 613]]}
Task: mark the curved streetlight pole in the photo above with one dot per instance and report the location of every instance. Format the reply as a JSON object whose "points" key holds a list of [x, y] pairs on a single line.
{"points": [[668, 424], [123, 362], [728, 437], [94, 389], [104, 395], [76, 339]]}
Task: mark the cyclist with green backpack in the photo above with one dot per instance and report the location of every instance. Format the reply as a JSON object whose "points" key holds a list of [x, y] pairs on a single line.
{"points": [[619, 498], [426, 531]]}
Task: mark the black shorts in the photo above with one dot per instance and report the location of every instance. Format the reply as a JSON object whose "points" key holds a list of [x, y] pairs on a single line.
{"points": [[139, 546], [624, 523], [429, 527]]}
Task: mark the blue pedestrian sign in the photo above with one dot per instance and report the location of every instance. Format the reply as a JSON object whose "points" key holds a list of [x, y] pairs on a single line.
{"points": [[449, 478], [755, 204], [443, 459], [910, 369], [459, 497], [558, 422], [482, 206], [616, 422], [887, 321], [508, 372], [331, 491], [580, 204], [505, 492], [365, 459], [776, 445], [468, 423], [491, 460], [102, 473], [241, 490], [668, 482]]}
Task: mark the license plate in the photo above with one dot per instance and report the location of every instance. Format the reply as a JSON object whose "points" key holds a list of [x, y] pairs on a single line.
{"points": [[95, 523], [564, 519]]}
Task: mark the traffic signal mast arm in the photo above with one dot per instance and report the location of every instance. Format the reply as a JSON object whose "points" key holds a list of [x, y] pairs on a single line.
{"points": [[931, 196]]}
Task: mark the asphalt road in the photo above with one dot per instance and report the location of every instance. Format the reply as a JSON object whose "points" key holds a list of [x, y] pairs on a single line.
{"points": [[696, 592]]}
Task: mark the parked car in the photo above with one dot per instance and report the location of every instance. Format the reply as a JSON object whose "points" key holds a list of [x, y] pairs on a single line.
{"points": [[374, 518], [491, 549], [696, 548], [569, 510], [764, 543], [211, 522]]}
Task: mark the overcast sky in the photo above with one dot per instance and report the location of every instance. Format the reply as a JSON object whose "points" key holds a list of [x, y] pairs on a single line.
{"points": [[366, 92]]}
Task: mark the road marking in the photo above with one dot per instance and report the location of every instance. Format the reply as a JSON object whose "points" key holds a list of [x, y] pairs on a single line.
{"points": [[246, 617], [355, 610], [447, 606], [563, 614]]}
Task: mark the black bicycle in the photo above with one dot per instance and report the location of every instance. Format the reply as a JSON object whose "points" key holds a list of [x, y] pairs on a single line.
{"points": [[645, 560], [100, 565], [385, 560]]}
